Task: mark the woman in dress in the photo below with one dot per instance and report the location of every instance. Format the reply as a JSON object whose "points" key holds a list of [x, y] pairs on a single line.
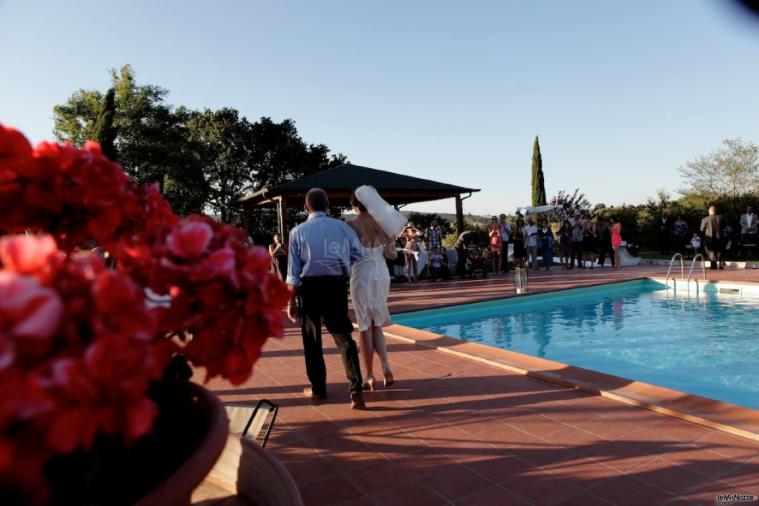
{"points": [[545, 239], [680, 233], [278, 257], [496, 244], [369, 287], [411, 235], [518, 238], [616, 241]]}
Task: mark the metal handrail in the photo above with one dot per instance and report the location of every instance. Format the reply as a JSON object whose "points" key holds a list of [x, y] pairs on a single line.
{"points": [[682, 267], [693, 264]]}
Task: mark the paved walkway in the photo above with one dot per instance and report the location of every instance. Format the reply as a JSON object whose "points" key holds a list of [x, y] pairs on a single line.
{"points": [[454, 431]]}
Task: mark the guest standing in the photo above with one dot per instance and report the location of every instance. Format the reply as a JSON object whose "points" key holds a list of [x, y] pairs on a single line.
{"points": [[748, 227], [616, 242], [505, 235], [517, 239], [680, 234], [588, 242], [577, 234], [711, 227], [278, 257], [565, 244], [545, 237], [433, 236], [603, 239], [494, 231], [321, 251], [531, 242], [411, 235]]}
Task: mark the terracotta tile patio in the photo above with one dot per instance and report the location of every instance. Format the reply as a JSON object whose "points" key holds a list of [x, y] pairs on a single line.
{"points": [[455, 431]]}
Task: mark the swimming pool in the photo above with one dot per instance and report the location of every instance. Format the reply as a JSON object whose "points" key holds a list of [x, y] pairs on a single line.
{"points": [[706, 343]]}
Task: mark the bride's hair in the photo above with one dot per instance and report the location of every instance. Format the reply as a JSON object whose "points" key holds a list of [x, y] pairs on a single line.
{"points": [[357, 203]]}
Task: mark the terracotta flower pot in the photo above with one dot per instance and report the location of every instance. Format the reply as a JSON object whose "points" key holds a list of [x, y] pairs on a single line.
{"points": [[177, 489], [254, 475]]}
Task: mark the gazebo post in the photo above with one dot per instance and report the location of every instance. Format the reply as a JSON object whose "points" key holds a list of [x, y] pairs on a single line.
{"points": [[282, 217], [459, 215]]}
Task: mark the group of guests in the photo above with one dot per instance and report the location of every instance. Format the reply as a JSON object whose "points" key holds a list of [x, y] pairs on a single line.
{"points": [[409, 242], [716, 235], [684, 241], [578, 239]]}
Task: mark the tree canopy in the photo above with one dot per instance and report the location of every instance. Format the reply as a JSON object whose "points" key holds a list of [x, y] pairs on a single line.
{"points": [[729, 172], [538, 181], [203, 160]]}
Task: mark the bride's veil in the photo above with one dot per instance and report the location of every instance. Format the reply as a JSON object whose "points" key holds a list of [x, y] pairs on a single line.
{"points": [[387, 217]]}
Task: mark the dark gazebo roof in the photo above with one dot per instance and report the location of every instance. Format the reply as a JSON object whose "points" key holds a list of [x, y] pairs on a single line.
{"points": [[340, 182]]}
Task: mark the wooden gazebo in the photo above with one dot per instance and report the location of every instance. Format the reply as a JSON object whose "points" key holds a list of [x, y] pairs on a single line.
{"points": [[339, 183]]}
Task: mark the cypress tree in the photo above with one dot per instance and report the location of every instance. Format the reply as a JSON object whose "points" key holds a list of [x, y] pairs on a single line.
{"points": [[105, 131], [538, 183]]}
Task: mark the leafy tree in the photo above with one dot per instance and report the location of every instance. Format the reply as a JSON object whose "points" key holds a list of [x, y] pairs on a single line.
{"points": [[151, 136], [574, 201], [728, 172], [423, 220], [226, 149], [538, 182], [202, 160], [76, 120], [105, 131]]}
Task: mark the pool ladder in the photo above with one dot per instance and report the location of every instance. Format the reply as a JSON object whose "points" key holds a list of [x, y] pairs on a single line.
{"points": [[682, 271]]}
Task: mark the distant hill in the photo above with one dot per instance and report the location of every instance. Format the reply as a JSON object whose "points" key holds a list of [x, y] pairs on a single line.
{"points": [[451, 217]]}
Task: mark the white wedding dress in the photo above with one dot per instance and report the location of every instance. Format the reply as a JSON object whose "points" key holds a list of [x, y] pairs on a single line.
{"points": [[370, 285]]}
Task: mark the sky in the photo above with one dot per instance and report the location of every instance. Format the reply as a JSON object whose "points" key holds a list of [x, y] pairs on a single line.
{"points": [[620, 93]]}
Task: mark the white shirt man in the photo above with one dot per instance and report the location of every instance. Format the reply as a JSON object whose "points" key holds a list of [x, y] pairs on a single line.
{"points": [[531, 243]]}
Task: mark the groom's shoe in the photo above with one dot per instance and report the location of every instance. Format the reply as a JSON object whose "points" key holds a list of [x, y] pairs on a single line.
{"points": [[357, 400], [309, 392]]}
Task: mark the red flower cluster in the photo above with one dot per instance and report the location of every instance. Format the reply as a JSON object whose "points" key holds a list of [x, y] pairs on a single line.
{"points": [[79, 346], [76, 356]]}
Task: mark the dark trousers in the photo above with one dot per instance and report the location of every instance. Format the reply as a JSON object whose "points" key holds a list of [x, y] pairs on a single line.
{"points": [[713, 249], [325, 299], [576, 253], [603, 249], [505, 256], [461, 262], [439, 272]]}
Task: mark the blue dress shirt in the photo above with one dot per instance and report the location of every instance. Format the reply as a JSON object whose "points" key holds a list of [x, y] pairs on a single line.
{"points": [[321, 246]]}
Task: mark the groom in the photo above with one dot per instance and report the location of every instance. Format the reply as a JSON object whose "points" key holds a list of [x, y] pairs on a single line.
{"points": [[319, 263]]}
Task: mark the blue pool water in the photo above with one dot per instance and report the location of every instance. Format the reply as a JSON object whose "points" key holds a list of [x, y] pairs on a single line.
{"points": [[706, 344]]}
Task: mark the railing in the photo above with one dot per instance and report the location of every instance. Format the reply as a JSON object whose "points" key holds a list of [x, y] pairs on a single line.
{"points": [[703, 269], [520, 280], [669, 271]]}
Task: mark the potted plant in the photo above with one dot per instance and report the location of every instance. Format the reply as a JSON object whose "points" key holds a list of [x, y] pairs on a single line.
{"points": [[96, 405]]}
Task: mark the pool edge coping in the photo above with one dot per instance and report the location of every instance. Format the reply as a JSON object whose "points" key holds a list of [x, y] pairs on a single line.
{"points": [[718, 415]]}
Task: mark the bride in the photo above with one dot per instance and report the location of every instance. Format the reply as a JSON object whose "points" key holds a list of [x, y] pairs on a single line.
{"points": [[377, 224]]}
